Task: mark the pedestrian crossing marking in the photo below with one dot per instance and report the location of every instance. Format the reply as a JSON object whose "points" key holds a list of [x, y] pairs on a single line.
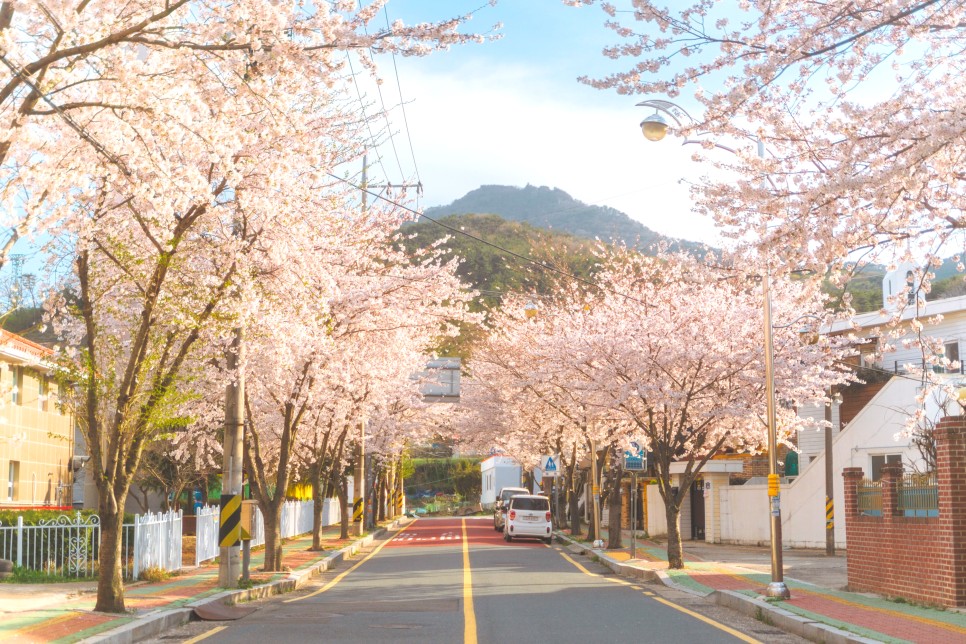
{"points": [[413, 536]]}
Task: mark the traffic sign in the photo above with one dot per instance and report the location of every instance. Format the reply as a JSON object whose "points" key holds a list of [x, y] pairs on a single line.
{"points": [[549, 465], [634, 458]]}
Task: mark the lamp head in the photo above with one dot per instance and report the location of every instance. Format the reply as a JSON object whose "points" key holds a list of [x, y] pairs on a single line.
{"points": [[654, 127]]}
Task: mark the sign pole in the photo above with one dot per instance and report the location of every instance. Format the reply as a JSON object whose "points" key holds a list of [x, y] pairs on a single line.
{"points": [[633, 515]]}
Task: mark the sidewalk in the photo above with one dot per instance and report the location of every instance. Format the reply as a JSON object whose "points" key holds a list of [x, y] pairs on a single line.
{"points": [[820, 608], [64, 613]]}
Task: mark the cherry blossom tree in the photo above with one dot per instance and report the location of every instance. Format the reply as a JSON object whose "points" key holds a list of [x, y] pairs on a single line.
{"points": [[858, 105], [67, 65], [667, 351], [171, 172]]}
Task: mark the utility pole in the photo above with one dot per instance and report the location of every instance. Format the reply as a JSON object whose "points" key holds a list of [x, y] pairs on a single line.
{"points": [[829, 483], [359, 482], [595, 487], [229, 566]]}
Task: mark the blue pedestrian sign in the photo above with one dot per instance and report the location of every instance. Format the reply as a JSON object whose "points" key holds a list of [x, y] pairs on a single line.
{"points": [[634, 458], [549, 465]]}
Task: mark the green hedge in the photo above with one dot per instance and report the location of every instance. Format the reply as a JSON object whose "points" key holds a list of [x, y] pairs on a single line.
{"points": [[34, 517]]}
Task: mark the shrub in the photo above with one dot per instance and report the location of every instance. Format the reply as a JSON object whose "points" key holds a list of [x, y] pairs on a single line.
{"points": [[154, 574]]}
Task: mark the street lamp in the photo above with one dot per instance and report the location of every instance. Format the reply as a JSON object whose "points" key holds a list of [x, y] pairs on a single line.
{"points": [[654, 128]]}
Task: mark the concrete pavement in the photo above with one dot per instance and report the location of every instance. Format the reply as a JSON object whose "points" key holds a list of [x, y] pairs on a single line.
{"points": [[820, 609]]}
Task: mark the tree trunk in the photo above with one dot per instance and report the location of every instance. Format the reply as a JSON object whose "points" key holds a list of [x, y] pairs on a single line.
{"points": [[110, 583], [344, 508], [614, 514], [318, 505], [675, 551], [573, 493], [271, 513], [382, 496], [589, 508]]}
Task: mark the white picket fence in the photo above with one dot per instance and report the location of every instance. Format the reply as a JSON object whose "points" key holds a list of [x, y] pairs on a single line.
{"points": [[68, 545], [157, 541]]}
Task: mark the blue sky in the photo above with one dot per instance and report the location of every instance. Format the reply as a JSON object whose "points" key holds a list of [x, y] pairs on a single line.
{"points": [[512, 112]]}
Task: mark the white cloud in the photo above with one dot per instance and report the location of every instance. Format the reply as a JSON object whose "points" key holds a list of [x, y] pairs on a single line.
{"points": [[478, 125]]}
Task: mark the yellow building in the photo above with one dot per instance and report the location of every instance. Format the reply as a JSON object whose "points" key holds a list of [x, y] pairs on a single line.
{"points": [[36, 436]]}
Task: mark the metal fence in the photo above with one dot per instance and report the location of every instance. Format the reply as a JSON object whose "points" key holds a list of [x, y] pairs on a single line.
{"points": [[870, 497], [69, 546], [918, 495]]}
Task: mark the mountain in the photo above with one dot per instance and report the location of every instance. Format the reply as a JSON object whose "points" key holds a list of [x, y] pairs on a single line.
{"points": [[554, 209]]}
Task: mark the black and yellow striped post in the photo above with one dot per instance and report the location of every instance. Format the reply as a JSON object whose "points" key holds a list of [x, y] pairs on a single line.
{"points": [[229, 528], [829, 514]]}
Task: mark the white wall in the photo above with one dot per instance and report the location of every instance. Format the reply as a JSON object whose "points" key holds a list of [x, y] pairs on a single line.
{"points": [[744, 510], [745, 515], [656, 515], [811, 440]]}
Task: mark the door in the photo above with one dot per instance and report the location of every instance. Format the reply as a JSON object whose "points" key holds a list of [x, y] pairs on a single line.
{"points": [[697, 510]]}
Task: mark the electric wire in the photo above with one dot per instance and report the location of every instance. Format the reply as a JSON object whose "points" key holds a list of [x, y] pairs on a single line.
{"points": [[365, 117], [402, 102], [385, 115]]}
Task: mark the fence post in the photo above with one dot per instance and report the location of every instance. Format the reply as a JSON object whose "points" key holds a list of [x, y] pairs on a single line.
{"points": [[19, 541], [136, 564]]}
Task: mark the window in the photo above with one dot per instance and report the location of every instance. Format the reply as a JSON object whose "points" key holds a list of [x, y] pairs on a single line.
{"points": [[15, 385], [527, 503], [13, 483], [878, 460], [952, 354]]}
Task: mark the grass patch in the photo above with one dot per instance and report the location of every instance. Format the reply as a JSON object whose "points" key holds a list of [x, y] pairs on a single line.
{"points": [[23, 575], [763, 617]]}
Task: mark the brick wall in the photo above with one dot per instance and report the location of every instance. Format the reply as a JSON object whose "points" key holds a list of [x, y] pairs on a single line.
{"points": [[920, 559]]}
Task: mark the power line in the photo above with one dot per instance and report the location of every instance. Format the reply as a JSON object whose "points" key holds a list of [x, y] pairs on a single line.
{"points": [[402, 102], [362, 107]]}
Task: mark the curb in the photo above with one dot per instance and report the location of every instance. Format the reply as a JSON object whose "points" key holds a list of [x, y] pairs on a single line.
{"points": [[158, 621], [755, 607]]}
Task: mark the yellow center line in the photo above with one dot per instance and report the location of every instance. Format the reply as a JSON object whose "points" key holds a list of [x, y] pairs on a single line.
{"points": [[216, 629], [469, 621], [706, 620], [342, 576], [579, 567], [726, 629]]}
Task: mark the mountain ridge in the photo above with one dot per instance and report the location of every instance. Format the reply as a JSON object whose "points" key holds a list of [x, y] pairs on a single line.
{"points": [[555, 209]]}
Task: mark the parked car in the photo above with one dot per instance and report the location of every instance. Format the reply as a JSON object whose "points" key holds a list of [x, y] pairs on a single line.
{"points": [[499, 512], [528, 516]]}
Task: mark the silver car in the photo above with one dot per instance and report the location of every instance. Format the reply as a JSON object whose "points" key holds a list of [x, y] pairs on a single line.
{"points": [[499, 512]]}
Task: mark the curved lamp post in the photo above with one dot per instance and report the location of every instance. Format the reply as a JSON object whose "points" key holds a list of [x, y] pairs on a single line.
{"points": [[655, 127]]}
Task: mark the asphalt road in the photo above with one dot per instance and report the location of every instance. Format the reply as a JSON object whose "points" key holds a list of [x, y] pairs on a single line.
{"points": [[456, 580]]}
